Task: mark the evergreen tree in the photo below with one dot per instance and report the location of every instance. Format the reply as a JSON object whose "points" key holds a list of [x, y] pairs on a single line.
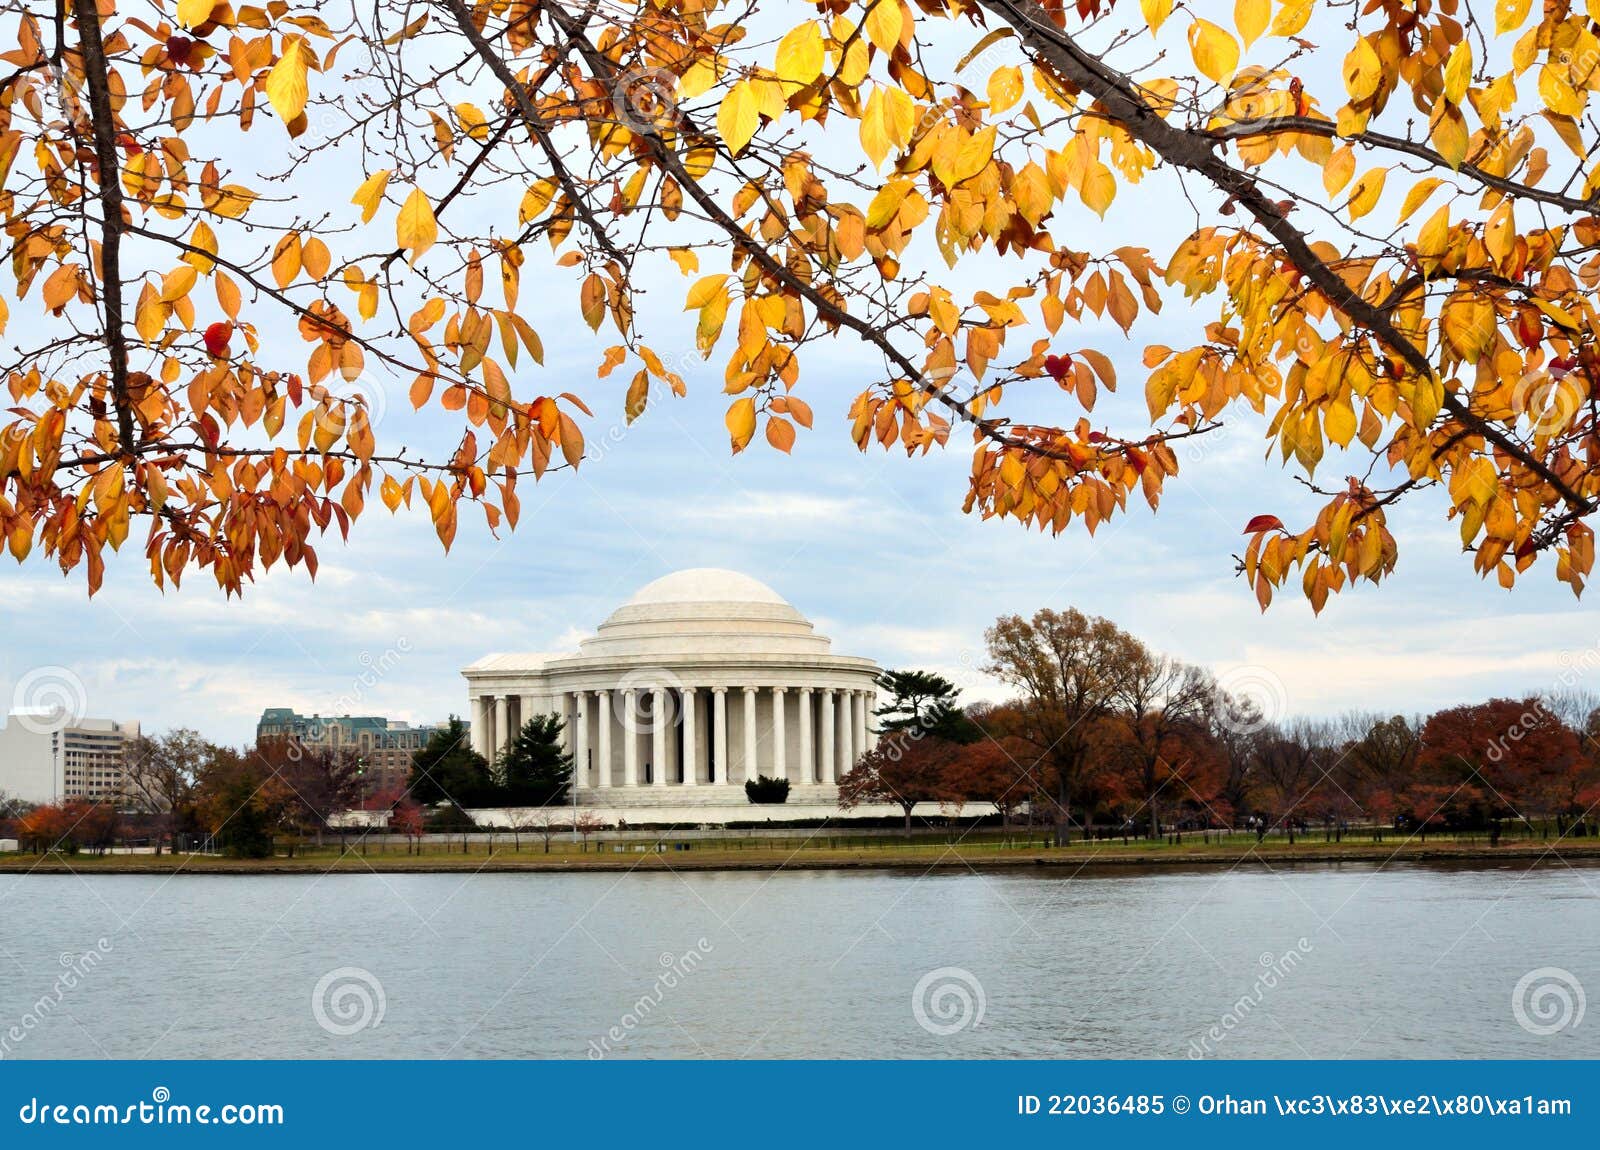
{"points": [[535, 770], [924, 702], [448, 769]]}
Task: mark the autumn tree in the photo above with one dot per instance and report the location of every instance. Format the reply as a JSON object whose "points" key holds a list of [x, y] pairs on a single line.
{"points": [[1071, 669], [161, 772], [903, 773], [1158, 723], [1503, 758], [1388, 274]]}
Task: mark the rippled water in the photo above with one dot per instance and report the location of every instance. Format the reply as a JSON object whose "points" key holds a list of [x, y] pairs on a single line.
{"points": [[1409, 962]]}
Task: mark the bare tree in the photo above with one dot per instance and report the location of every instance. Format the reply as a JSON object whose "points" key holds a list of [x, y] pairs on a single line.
{"points": [[160, 776]]}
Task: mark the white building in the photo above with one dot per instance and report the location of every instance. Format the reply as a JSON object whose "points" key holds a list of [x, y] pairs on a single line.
{"points": [[51, 756], [701, 681]]}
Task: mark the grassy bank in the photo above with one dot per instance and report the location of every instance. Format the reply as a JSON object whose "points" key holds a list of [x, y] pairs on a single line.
{"points": [[818, 853]]}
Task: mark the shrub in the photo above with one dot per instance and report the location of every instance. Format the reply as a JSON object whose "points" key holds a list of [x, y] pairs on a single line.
{"points": [[764, 790]]}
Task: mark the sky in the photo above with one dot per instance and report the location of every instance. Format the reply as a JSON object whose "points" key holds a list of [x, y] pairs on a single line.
{"points": [[874, 548]]}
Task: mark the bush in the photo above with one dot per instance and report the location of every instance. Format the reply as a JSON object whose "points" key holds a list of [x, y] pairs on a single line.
{"points": [[764, 790], [450, 818]]}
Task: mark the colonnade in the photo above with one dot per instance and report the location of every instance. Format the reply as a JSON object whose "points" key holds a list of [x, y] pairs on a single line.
{"points": [[676, 735]]}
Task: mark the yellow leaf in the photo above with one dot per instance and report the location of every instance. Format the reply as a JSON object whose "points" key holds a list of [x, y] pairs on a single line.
{"points": [[370, 194], [177, 283], [1418, 196], [1364, 196], [800, 55], [1155, 12], [415, 228], [1363, 70], [1292, 17], [192, 13], [741, 421], [1509, 14], [1005, 88], [1216, 53], [1458, 72], [286, 83], [737, 119], [1099, 188], [885, 24], [1251, 17]]}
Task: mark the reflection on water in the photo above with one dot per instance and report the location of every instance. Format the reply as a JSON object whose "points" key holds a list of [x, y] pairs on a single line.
{"points": [[1316, 961]]}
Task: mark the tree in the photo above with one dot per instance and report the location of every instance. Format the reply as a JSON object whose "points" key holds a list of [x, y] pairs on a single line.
{"points": [[1452, 352], [310, 784], [1498, 759], [921, 702], [1292, 763], [1161, 708], [535, 769], [161, 772], [1071, 669], [239, 802], [447, 769], [904, 773]]}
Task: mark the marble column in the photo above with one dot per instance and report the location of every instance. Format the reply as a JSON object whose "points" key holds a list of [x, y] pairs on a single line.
{"points": [[780, 766], [847, 732], [691, 739], [828, 740], [630, 738], [480, 725], [808, 768], [750, 733], [502, 726], [581, 765], [658, 736], [859, 705], [719, 758], [563, 710], [602, 758]]}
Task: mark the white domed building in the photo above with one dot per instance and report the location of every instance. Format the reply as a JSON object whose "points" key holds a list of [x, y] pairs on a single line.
{"points": [[704, 679]]}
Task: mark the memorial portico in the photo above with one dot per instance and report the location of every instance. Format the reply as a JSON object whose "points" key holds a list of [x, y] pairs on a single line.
{"points": [[703, 680]]}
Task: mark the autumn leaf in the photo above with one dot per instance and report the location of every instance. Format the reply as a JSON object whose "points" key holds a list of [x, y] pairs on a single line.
{"points": [[415, 227], [286, 83]]}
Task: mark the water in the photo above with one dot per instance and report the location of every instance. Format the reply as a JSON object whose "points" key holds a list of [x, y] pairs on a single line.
{"points": [[1315, 961]]}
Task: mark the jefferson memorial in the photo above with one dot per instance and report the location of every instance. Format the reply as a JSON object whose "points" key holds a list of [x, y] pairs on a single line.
{"points": [[704, 679]]}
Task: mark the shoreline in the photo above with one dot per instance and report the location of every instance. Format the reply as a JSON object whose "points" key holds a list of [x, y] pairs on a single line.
{"points": [[1071, 858]]}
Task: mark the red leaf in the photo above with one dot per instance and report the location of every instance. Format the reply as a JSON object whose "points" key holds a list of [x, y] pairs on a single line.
{"points": [[216, 337], [1263, 523]]}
